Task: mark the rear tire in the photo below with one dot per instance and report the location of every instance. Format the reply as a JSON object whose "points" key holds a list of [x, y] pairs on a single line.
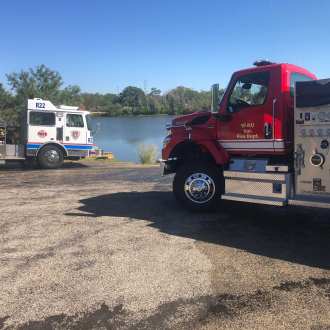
{"points": [[198, 186], [50, 157]]}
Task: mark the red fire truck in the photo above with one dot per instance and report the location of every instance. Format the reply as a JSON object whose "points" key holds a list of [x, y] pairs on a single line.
{"points": [[252, 145]]}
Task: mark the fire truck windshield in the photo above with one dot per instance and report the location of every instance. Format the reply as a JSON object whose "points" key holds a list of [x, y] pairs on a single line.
{"points": [[225, 91], [89, 122]]}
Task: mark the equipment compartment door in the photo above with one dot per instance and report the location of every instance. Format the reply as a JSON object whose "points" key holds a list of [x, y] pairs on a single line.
{"points": [[250, 102]]}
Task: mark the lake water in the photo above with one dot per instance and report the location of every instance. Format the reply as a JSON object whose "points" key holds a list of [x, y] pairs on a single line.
{"points": [[121, 135]]}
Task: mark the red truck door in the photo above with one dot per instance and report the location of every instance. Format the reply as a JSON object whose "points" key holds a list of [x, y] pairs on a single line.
{"points": [[249, 101]]}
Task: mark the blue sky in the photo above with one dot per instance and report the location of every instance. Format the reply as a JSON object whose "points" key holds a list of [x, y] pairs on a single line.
{"points": [[101, 45]]}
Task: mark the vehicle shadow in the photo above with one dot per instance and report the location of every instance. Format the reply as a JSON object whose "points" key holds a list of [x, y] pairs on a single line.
{"points": [[29, 166], [294, 234]]}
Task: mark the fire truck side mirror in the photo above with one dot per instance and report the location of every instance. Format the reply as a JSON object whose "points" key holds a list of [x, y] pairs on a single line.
{"points": [[98, 128], [215, 97]]}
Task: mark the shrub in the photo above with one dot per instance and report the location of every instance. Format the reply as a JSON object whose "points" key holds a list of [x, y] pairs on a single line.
{"points": [[147, 153]]}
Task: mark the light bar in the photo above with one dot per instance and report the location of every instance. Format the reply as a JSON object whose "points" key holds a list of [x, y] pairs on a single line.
{"points": [[263, 62]]}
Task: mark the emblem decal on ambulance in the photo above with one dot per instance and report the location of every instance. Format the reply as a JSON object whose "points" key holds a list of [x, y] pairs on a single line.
{"points": [[75, 134], [42, 134]]}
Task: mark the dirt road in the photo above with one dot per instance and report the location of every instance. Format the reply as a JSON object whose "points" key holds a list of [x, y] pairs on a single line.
{"points": [[92, 246]]}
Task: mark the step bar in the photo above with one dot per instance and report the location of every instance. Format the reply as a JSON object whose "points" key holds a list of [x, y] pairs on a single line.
{"points": [[271, 188], [255, 199]]}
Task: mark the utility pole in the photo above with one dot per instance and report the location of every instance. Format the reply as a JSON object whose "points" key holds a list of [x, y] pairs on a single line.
{"points": [[146, 86]]}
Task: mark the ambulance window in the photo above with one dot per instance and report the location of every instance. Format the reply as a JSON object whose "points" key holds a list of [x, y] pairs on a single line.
{"points": [[74, 120], [294, 76], [42, 118], [249, 90]]}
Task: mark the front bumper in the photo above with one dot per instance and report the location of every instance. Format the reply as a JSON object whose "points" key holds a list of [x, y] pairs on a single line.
{"points": [[168, 166]]}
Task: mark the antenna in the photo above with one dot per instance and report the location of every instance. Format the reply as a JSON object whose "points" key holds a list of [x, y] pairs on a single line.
{"points": [[118, 90], [271, 7], [304, 45], [146, 86]]}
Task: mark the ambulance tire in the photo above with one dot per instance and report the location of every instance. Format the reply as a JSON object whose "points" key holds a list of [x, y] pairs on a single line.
{"points": [[50, 157], [197, 186]]}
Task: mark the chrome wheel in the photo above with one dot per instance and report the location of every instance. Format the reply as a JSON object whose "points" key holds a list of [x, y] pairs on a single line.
{"points": [[199, 188], [51, 157]]}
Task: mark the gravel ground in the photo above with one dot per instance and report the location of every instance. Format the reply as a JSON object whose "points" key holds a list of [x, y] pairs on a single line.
{"points": [[105, 246]]}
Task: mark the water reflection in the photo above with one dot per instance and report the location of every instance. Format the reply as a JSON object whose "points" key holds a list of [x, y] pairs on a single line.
{"points": [[121, 135]]}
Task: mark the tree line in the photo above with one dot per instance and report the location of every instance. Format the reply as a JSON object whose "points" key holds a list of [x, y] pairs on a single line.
{"points": [[42, 82], [133, 101]]}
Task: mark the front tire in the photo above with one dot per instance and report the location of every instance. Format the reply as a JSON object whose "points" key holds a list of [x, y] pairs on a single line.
{"points": [[198, 186], [50, 157]]}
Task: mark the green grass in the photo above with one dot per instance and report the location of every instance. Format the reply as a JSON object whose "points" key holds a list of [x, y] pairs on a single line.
{"points": [[94, 160], [147, 153]]}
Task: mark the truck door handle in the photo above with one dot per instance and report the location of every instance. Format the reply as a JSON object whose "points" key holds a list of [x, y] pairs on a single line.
{"points": [[268, 131]]}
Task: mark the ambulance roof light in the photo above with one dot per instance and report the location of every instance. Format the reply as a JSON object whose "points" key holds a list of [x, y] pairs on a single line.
{"points": [[66, 107], [263, 63]]}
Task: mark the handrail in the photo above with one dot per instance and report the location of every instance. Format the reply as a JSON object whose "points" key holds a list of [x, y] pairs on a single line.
{"points": [[274, 101]]}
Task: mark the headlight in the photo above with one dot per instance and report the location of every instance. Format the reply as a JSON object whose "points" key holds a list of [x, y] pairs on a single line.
{"points": [[166, 142]]}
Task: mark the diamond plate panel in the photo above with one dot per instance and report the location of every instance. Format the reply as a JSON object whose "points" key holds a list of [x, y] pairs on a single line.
{"points": [[266, 188], [310, 201], [257, 176], [254, 199], [254, 188]]}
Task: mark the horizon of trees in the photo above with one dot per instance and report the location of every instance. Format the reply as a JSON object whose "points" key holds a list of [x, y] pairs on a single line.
{"points": [[133, 101], [42, 82]]}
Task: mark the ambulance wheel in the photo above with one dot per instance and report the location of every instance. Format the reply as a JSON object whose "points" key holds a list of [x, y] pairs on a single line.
{"points": [[197, 186], [50, 157]]}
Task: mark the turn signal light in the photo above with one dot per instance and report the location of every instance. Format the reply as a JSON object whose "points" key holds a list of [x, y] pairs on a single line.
{"points": [[166, 142]]}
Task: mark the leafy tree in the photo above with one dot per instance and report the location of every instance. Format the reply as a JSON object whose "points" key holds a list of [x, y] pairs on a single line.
{"points": [[133, 97], [155, 91], [108, 99], [10, 113], [114, 110], [43, 83], [9, 110], [71, 95], [90, 101], [39, 82]]}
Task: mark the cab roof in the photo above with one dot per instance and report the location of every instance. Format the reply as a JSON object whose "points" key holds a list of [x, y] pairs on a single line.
{"points": [[45, 105], [264, 64]]}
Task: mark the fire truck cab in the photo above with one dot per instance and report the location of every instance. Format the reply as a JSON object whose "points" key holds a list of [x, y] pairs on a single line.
{"points": [[260, 104]]}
